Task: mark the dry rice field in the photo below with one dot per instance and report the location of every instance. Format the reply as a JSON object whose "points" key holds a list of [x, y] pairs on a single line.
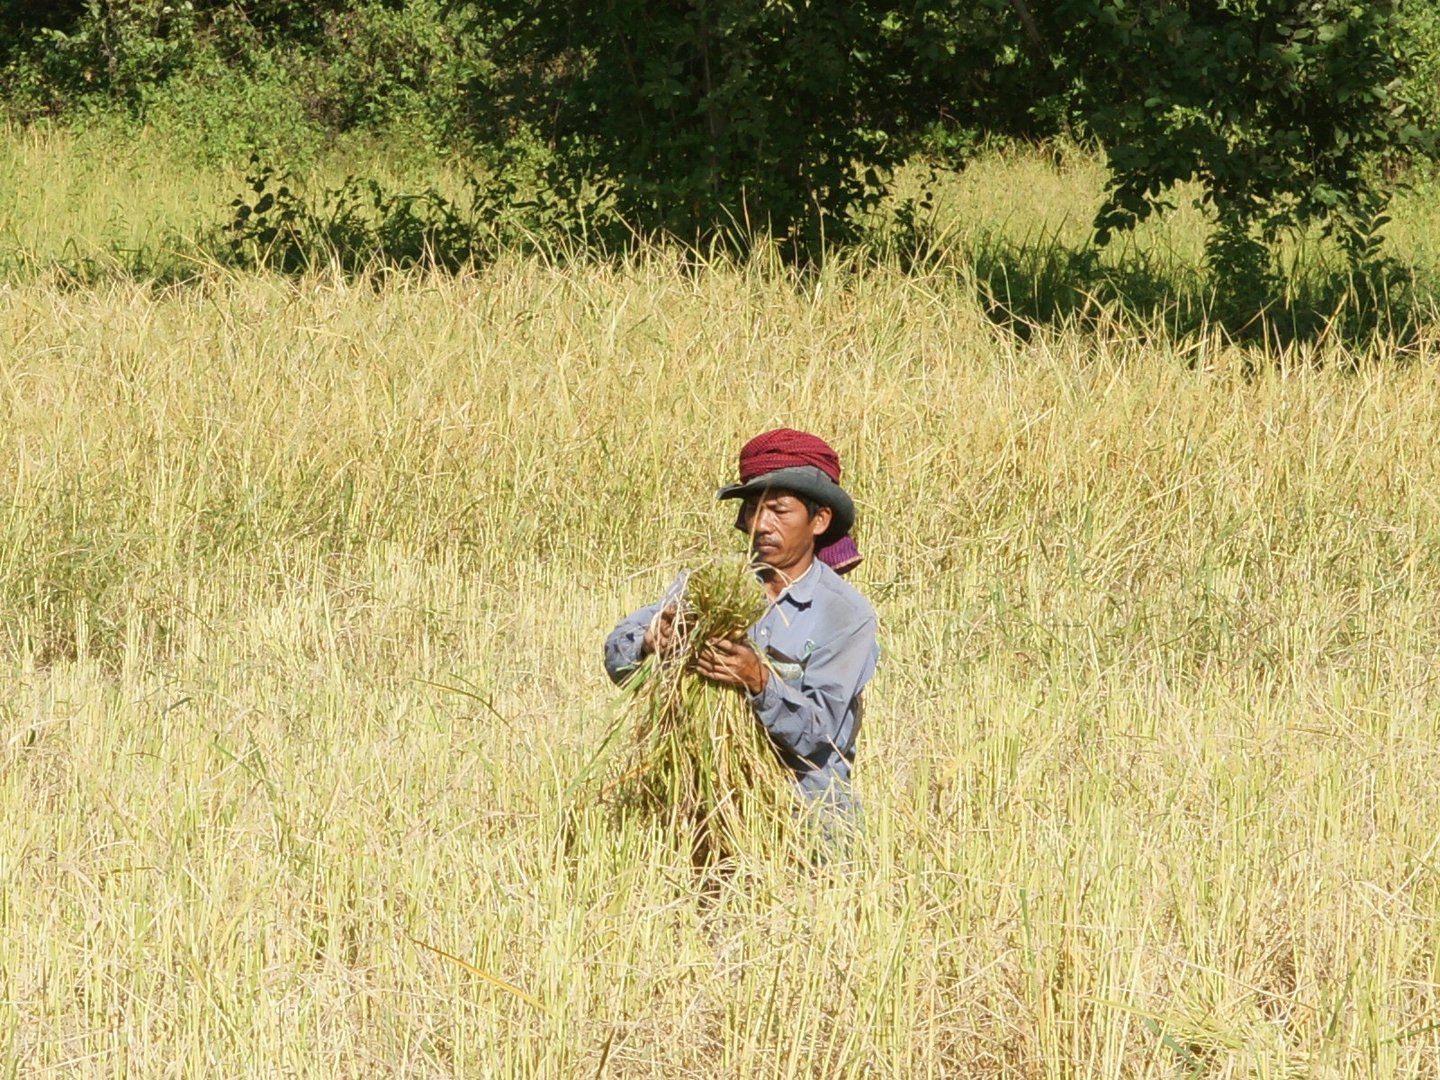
{"points": [[302, 591]]}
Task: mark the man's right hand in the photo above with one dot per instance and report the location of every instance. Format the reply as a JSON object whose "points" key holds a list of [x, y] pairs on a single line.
{"points": [[660, 636]]}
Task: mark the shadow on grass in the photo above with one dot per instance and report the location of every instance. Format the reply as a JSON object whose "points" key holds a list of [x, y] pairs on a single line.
{"points": [[74, 271], [1314, 299]]}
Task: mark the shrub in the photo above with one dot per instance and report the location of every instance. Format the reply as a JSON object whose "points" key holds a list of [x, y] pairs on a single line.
{"points": [[360, 226]]}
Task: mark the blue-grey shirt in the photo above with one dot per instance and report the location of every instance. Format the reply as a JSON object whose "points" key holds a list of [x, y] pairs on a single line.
{"points": [[819, 639]]}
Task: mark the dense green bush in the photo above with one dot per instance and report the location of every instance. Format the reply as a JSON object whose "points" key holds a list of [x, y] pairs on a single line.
{"points": [[730, 121], [232, 77], [375, 65], [1419, 37], [218, 112], [110, 53], [732, 118]]}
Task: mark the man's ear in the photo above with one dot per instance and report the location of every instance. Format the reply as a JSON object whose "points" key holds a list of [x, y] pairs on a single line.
{"points": [[820, 523]]}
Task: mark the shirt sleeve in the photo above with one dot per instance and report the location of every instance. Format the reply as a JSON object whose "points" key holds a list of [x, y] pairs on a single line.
{"points": [[624, 647], [806, 718]]}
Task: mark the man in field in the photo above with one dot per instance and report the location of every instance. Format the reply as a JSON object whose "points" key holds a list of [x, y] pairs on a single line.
{"points": [[806, 661]]}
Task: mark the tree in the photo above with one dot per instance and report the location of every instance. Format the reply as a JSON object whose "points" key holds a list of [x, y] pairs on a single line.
{"points": [[1284, 111], [705, 118], [712, 118]]}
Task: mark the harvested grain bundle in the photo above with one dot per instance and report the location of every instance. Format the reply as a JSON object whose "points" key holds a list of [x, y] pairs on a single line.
{"points": [[698, 760]]}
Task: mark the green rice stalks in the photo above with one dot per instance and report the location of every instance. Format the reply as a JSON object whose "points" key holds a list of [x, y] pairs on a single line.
{"points": [[699, 761]]}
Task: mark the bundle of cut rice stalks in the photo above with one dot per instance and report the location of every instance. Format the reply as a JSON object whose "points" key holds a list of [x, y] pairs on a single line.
{"points": [[698, 760]]}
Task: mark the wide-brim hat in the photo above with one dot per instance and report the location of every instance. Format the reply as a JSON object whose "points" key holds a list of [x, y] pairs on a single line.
{"points": [[807, 481]]}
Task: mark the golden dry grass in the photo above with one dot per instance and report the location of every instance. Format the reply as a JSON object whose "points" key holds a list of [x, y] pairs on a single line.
{"points": [[302, 590]]}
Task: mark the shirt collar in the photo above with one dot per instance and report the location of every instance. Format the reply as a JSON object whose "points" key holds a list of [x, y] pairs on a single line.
{"points": [[801, 591]]}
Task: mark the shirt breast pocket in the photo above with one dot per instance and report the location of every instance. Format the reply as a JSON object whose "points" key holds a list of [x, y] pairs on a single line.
{"points": [[789, 668]]}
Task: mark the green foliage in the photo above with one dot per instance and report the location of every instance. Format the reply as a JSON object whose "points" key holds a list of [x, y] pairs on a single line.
{"points": [[1284, 111], [717, 122], [743, 117], [382, 67], [359, 226], [710, 122], [218, 112], [21, 20], [113, 52], [1417, 39], [962, 69], [273, 75]]}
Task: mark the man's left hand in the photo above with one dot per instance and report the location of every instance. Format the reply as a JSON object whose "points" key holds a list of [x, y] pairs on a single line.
{"points": [[733, 663]]}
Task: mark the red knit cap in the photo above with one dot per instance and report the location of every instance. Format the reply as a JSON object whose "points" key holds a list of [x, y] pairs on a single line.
{"points": [[784, 448]]}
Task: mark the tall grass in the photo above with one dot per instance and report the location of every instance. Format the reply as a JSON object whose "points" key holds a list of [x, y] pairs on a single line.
{"points": [[119, 202], [302, 590]]}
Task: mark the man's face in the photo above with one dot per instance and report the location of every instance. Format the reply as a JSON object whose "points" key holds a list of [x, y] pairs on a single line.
{"points": [[782, 532]]}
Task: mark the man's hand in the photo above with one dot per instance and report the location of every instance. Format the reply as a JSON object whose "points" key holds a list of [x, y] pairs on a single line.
{"points": [[733, 663], [660, 636]]}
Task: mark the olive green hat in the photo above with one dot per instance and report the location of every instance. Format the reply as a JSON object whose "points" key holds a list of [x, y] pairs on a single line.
{"points": [[807, 481]]}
